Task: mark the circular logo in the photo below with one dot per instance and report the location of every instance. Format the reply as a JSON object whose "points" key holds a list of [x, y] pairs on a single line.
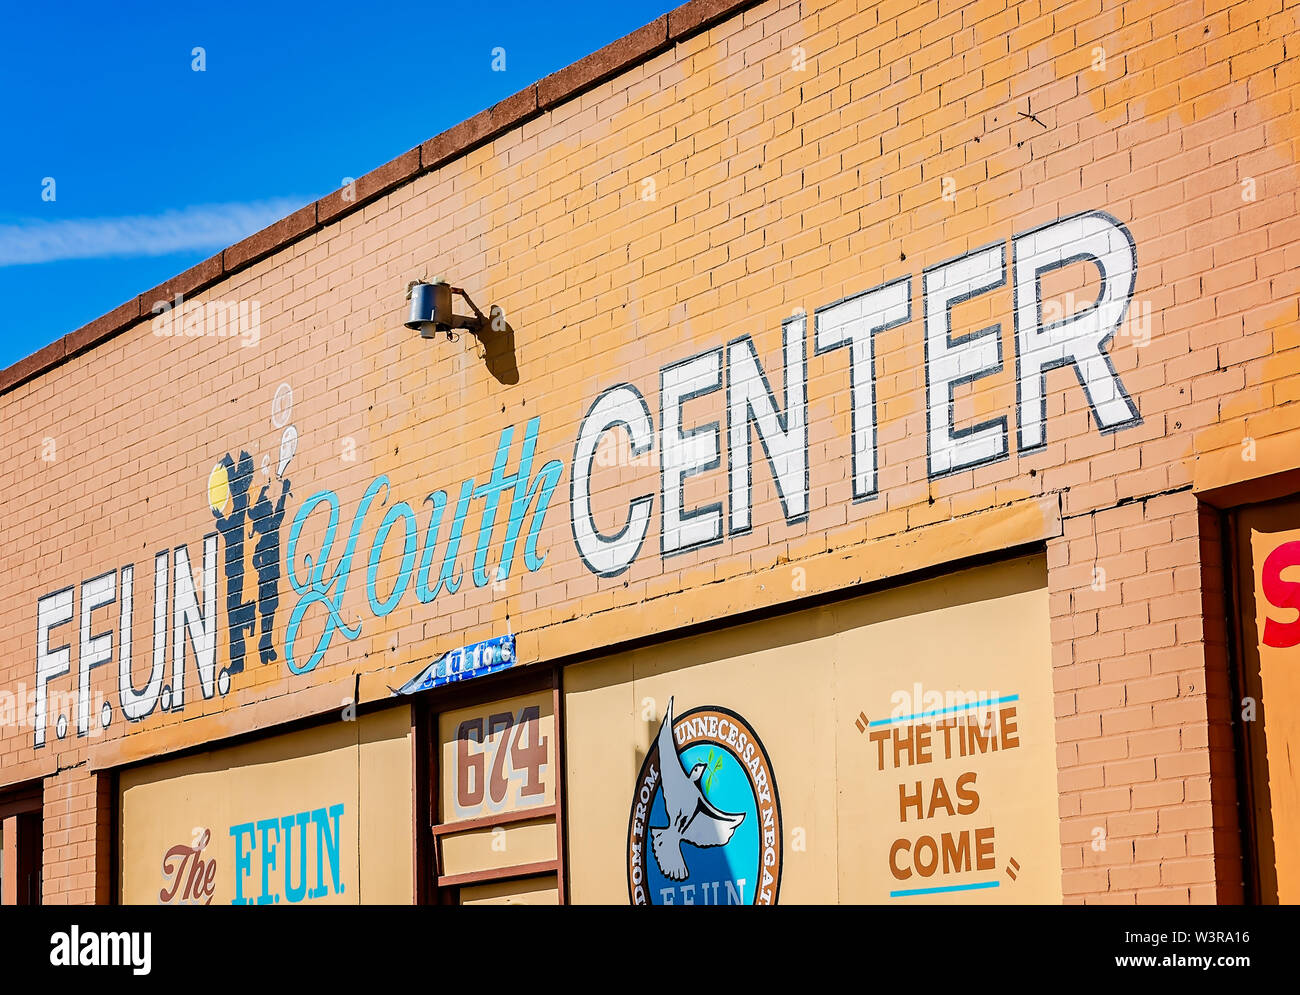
{"points": [[705, 826]]}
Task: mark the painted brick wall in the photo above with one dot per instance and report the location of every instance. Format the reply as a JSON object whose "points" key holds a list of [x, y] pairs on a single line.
{"points": [[789, 156], [1142, 706]]}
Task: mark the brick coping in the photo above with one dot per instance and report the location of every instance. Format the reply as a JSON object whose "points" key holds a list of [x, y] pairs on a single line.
{"points": [[534, 100]]}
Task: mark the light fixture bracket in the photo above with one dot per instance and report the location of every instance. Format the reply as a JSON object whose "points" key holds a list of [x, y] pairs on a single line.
{"points": [[432, 311]]}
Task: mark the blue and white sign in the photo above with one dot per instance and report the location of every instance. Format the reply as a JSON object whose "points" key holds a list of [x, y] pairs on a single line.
{"points": [[474, 660]]}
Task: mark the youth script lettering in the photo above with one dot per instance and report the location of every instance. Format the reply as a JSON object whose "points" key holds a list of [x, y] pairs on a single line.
{"points": [[321, 582]]}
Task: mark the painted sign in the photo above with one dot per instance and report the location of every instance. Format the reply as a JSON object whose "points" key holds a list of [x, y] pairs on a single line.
{"points": [[899, 781], [193, 629], [1278, 596], [349, 565], [1271, 670], [194, 623], [498, 757], [936, 755], [317, 816], [323, 588], [705, 826], [282, 852], [189, 878], [1078, 341]]}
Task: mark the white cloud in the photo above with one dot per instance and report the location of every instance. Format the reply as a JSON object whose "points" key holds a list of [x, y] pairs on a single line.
{"points": [[202, 227]]}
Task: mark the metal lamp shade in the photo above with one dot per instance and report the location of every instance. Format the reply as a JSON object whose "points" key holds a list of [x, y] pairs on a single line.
{"points": [[430, 308]]}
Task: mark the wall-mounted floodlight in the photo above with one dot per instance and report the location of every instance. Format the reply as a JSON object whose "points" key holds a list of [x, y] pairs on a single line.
{"points": [[431, 309]]}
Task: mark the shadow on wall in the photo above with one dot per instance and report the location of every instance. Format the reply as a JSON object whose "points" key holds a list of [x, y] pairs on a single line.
{"points": [[499, 351]]}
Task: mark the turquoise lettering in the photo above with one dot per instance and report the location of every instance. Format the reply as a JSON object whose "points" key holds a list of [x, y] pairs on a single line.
{"points": [[243, 860], [264, 826], [327, 844], [382, 606], [439, 501], [320, 578], [450, 577], [295, 893], [318, 591]]}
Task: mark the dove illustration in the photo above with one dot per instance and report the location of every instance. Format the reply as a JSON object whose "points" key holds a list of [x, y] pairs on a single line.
{"points": [[691, 817]]}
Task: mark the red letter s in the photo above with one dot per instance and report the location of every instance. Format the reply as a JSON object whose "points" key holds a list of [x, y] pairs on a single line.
{"points": [[1281, 594]]}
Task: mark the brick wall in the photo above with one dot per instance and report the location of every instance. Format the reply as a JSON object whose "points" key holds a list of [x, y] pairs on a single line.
{"points": [[1142, 706], [720, 181], [78, 851]]}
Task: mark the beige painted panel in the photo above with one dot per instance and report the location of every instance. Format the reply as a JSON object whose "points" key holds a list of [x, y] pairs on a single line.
{"points": [[387, 821], [492, 847], [979, 636], [776, 674], [526, 891], [603, 748], [800, 682], [192, 807], [497, 757]]}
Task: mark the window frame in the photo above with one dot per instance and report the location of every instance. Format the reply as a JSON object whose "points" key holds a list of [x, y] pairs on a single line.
{"points": [[22, 809], [432, 886]]}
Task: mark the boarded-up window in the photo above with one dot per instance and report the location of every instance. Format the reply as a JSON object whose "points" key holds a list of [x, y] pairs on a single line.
{"points": [[894, 748], [322, 815]]}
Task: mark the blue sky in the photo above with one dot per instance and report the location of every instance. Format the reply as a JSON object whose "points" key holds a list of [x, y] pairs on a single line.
{"points": [[157, 166]]}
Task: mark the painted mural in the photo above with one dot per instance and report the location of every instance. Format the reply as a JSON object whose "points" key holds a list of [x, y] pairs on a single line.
{"points": [[217, 599], [859, 752], [705, 827], [229, 486], [271, 853], [278, 820], [320, 578], [934, 757], [188, 877], [292, 858]]}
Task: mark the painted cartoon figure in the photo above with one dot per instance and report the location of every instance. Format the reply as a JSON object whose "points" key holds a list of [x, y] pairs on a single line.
{"points": [[240, 613], [266, 561]]}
